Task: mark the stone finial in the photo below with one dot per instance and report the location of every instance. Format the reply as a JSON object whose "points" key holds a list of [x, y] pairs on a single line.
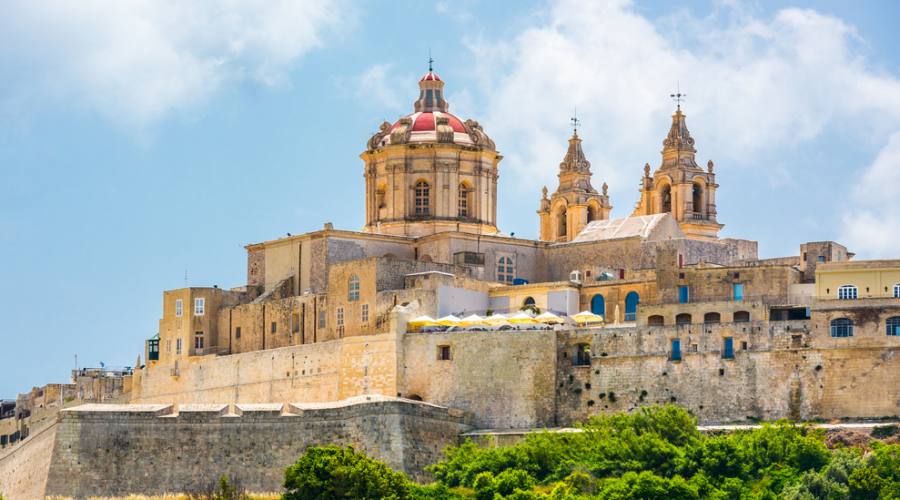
{"points": [[709, 166], [646, 170], [544, 193], [605, 188]]}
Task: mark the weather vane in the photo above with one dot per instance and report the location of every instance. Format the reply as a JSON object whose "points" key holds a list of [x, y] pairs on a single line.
{"points": [[575, 122], [678, 96]]}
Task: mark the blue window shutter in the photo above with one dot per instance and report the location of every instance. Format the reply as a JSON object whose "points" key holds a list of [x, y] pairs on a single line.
{"points": [[728, 351], [683, 294], [738, 291]]}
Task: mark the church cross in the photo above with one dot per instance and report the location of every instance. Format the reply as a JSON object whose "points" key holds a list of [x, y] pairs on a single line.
{"points": [[678, 96], [430, 62], [575, 122]]}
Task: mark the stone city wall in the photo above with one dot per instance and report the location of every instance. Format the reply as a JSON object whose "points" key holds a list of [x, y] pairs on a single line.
{"points": [[775, 373], [117, 450], [324, 371]]}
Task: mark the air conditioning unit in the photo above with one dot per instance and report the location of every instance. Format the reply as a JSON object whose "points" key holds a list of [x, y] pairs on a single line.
{"points": [[575, 277]]}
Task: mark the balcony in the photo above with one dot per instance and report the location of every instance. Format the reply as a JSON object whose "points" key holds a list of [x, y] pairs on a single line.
{"points": [[468, 258]]}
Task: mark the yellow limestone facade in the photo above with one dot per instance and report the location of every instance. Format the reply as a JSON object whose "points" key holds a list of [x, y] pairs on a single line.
{"points": [[689, 317]]}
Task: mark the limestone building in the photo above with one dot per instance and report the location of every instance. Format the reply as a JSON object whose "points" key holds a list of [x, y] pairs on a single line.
{"points": [[688, 317]]}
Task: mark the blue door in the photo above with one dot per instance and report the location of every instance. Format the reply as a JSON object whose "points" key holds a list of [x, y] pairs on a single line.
{"points": [[598, 305], [631, 303], [684, 294], [676, 350], [728, 350], [738, 291]]}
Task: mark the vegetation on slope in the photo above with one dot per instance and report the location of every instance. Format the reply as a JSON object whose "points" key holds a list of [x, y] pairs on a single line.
{"points": [[655, 453]]}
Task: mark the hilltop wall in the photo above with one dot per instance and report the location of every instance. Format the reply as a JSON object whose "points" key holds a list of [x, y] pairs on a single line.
{"points": [[116, 450]]}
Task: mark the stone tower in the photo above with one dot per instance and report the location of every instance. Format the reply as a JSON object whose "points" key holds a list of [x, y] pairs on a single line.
{"points": [[431, 172], [575, 202], [680, 187]]}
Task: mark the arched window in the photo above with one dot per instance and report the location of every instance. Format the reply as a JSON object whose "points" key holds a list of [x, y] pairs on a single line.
{"points": [[423, 198], [712, 317], [897, 291], [598, 305], [841, 327], [353, 288], [631, 304], [847, 292], [561, 229], [592, 213], [505, 271], [462, 202], [528, 304], [697, 198], [656, 320], [666, 198], [741, 316], [683, 319], [893, 326]]}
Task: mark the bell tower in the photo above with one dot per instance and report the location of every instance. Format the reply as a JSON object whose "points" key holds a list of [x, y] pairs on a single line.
{"points": [[575, 202], [679, 186]]}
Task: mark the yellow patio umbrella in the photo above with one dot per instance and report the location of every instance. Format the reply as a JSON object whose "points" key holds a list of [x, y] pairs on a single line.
{"points": [[522, 317], [496, 320], [549, 318], [421, 321], [448, 320], [471, 320], [587, 317]]}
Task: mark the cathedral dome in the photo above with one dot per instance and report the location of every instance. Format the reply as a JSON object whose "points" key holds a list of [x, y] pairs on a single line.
{"points": [[431, 122]]}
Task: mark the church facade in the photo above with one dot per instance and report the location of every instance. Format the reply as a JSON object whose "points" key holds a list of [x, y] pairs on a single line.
{"points": [[688, 317]]}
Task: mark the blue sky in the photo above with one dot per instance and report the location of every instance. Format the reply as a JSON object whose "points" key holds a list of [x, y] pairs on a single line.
{"points": [[143, 142]]}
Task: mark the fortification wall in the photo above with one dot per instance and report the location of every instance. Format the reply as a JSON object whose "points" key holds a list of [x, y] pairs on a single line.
{"points": [[774, 374], [504, 378], [23, 468], [319, 372], [111, 450]]}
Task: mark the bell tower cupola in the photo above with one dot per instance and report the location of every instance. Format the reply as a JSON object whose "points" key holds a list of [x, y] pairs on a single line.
{"points": [[679, 186], [575, 202]]}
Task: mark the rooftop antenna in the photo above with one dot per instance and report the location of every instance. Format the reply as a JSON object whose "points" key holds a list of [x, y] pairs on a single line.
{"points": [[678, 96], [575, 122]]}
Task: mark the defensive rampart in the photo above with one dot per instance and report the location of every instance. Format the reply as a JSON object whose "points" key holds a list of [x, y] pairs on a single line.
{"points": [[110, 450]]}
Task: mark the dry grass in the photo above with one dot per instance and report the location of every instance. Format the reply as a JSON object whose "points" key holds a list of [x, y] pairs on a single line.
{"points": [[173, 496]]}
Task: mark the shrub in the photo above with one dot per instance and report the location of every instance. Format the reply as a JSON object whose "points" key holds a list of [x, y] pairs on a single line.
{"points": [[333, 472]]}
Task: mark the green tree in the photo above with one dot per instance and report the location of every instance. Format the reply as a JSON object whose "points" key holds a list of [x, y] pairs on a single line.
{"points": [[332, 472]]}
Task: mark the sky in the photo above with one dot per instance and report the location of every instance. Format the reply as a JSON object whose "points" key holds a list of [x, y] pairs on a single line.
{"points": [[144, 143]]}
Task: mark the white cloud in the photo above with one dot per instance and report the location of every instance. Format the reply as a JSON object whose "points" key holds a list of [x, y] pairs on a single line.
{"points": [[381, 85], [755, 86], [872, 225], [136, 62]]}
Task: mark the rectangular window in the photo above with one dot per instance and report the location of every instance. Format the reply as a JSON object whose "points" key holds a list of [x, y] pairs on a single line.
{"points": [[274, 327], [339, 317], [168, 346], [443, 353], [295, 322], [198, 340], [364, 316], [821, 258], [321, 319], [177, 346], [728, 348], [199, 306], [237, 332], [179, 308], [744, 345], [738, 292], [676, 350], [684, 294]]}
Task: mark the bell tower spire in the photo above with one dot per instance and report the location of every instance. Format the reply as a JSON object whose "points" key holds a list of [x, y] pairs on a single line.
{"points": [[575, 203], [679, 186]]}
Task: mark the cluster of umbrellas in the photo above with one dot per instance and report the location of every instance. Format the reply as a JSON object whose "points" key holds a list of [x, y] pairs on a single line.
{"points": [[495, 320]]}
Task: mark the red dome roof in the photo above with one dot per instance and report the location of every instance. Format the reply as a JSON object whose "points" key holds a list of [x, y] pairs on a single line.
{"points": [[424, 127], [431, 76]]}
